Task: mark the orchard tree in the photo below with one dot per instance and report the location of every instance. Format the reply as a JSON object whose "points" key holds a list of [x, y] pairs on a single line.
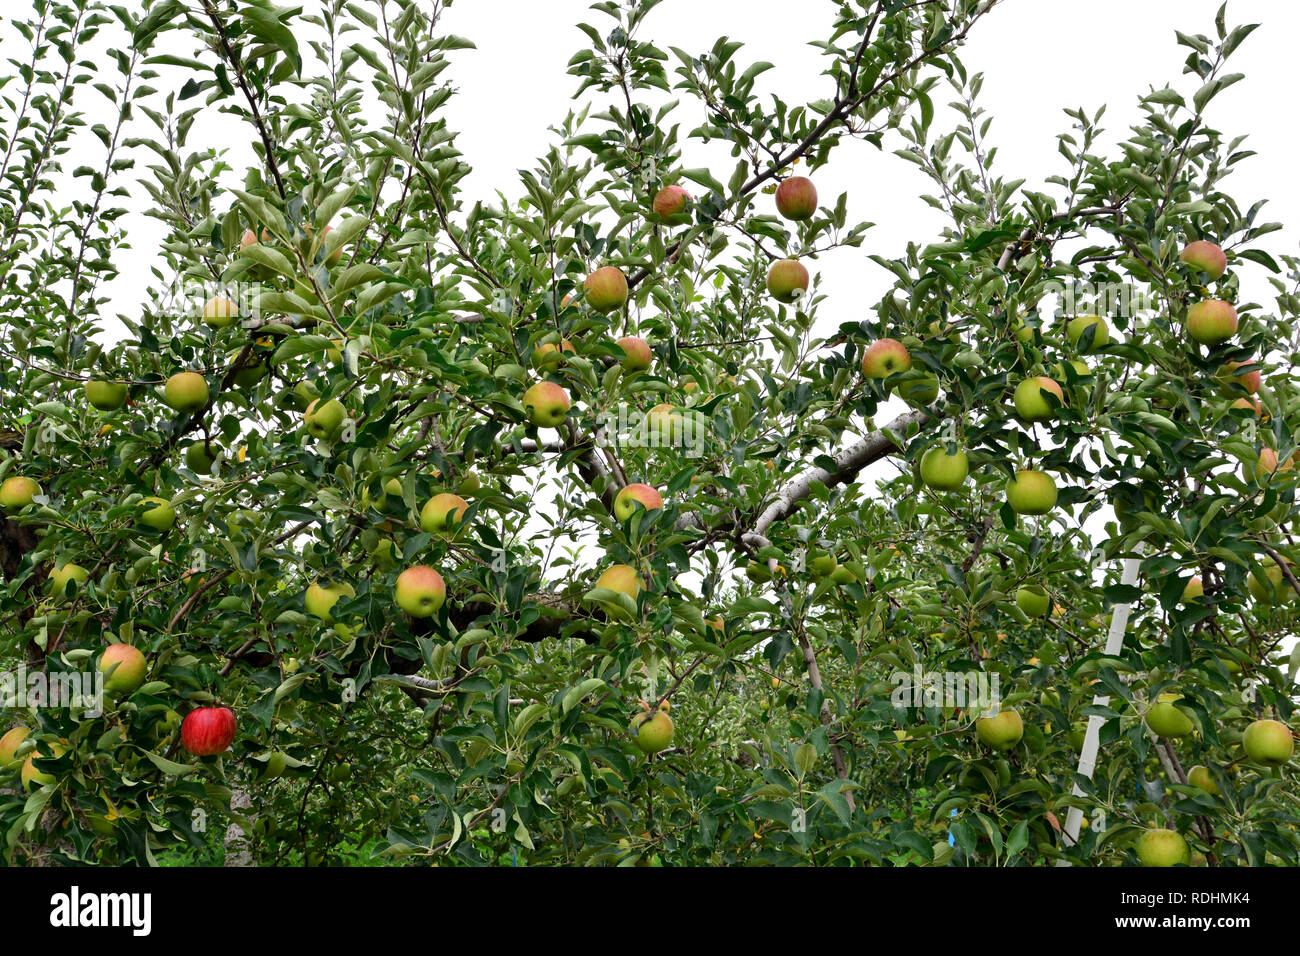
{"points": [[567, 527]]}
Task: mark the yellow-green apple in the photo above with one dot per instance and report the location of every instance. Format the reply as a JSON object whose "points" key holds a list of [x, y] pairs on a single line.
{"points": [[663, 423], [822, 564], [321, 598], [1024, 332], [198, 459], [622, 579], [60, 577], [944, 472], [1273, 587], [548, 356], [1031, 493], [885, 357], [1077, 327], [324, 421], [920, 391], [1166, 719], [625, 501], [1268, 742], [420, 591], [32, 776], [654, 732], [1205, 256], [1211, 322], [106, 396], [158, 514], [1080, 367], [1193, 590], [1159, 847], [670, 204], [1031, 400], [9, 744], [17, 492], [787, 280], [636, 353], [443, 512], [123, 667], [219, 312], [1002, 731], [1033, 600], [207, 731], [546, 404], [1201, 778], [1250, 381], [186, 392], [605, 289], [796, 198]]}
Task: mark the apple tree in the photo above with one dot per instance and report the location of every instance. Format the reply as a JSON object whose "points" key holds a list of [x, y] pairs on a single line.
{"points": [[577, 524]]}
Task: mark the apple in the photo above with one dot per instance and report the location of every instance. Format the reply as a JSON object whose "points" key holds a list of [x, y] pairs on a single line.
{"points": [[1002, 731], [1193, 590], [663, 423], [1031, 402], [1250, 404], [1161, 847], [637, 355], [1031, 493], [1268, 742], [1033, 600], [621, 578], [654, 732], [249, 238], [208, 730], [605, 289], [1201, 778], [186, 392], [198, 459], [885, 357], [921, 391], [160, 515], [106, 396], [787, 280], [219, 312], [442, 513], [1024, 333], [625, 501], [1077, 327], [123, 667], [1273, 587], [275, 766], [32, 777], [17, 492], [320, 599], [302, 395], [822, 564], [1080, 367], [324, 421], [670, 204], [548, 356], [1250, 381], [1205, 256], [420, 591], [468, 484], [9, 744], [546, 404], [1211, 322], [944, 472], [1166, 720], [796, 198], [335, 257], [60, 577]]}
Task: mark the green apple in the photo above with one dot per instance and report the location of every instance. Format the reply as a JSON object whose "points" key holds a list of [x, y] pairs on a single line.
{"points": [[1076, 329], [158, 515], [548, 356], [637, 354], [628, 498], [1205, 256], [664, 425], [1031, 400], [106, 396], [921, 391], [885, 357], [787, 280], [123, 667], [219, 312], [186, 392], [1201, 778], [1002, 731], [1033, 600], [1160, 847], [321, 598], [1080, 367], [654, 732], [17, 492], [1211, 322], [1273, 587], [442, 513], [420, 591], [1268, 742], [198, 459], [324, 421], [9, 744], [605, 289], [1166, 720], [796, 198], [60, 577], [944, 472], [1031, 493], [546, 404]]}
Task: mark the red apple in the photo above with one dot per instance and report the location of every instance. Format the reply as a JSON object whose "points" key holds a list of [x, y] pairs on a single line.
{"points": [[670, 203], [796, 198], [637, 352], [626, 500], [884, 358], [1211, 322], [208, 730], [1250, 381], [787, 280], [1206, 256]]}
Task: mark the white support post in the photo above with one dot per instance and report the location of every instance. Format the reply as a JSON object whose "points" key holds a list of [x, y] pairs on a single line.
{"points": [[1092, 739]]}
